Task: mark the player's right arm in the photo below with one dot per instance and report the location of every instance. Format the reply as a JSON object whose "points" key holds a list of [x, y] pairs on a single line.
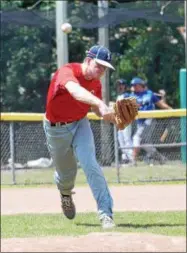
{"points": [[81, 94], [67, 80]]}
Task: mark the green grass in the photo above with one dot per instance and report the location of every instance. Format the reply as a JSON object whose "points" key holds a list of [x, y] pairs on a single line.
{"points": [[136, 175], [31, 225]]}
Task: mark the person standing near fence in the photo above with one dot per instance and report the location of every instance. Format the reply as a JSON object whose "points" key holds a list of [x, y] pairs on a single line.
{"points": [[162, 93], [74, 89], [124, 136], [146, 100]]}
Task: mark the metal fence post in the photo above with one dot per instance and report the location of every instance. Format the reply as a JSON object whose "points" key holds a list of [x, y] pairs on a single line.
{"points": [[116, 154], [182, 82], [12, 152]]}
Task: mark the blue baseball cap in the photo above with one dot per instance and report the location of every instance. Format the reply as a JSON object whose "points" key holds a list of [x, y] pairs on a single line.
{"points": [[137, 80], [101, 55], [122, 81]]}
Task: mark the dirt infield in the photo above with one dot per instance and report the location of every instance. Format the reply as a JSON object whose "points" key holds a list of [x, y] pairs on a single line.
{"points": [[97, 242], [126, 198]]}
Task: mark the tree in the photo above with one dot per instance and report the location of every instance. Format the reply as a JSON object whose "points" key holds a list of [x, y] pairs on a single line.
{"points": [[155, 52], [141, 47]]}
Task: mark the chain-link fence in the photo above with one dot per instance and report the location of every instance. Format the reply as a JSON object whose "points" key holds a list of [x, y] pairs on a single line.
{"points": [[29, 47], [29, 44], [25, 158]]}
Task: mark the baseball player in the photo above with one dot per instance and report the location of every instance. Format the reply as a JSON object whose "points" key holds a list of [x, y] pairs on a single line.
{"points": [[162, 93], [75, 89], [124, 136], [146, 101]]}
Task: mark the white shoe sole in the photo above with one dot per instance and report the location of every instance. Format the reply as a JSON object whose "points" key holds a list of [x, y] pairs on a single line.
{"points": [[109, 226]]}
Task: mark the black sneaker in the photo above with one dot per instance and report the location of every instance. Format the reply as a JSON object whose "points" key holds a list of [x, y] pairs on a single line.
{"points": [[68, 206]]}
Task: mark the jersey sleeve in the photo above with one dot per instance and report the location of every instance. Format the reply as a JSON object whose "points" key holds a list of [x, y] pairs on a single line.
{"points": [[98, 92], [65, 75], [156, 98], [122, 96]]}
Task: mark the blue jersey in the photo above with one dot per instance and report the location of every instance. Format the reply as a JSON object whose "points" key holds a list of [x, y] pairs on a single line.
{"points": [[146, 101], [123, 95]]}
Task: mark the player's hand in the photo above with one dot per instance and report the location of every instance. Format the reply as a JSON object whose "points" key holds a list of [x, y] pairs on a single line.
{"points": [[106, 112], [104, 109]]}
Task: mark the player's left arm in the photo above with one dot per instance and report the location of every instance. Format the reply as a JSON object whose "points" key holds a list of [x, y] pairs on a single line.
{"points": [[161, 104], [158, 101]]}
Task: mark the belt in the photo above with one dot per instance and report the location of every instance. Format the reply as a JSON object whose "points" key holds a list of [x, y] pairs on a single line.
{"points": [[60, 123]]}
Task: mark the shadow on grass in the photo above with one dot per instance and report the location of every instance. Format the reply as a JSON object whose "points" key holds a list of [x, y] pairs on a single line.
{"points": [[150, 225], [128, 225], [87, 224]]}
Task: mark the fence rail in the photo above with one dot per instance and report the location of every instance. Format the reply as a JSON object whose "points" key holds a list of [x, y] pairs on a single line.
{"points": [[24, 154]]}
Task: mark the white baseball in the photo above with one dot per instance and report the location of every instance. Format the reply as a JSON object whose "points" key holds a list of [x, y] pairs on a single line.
{"points": [[66, 27]]}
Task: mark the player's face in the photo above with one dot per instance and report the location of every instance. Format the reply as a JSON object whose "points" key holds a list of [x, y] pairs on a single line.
{"points": [[121, 88], [95, 70], [132, 89], [138, 88]]}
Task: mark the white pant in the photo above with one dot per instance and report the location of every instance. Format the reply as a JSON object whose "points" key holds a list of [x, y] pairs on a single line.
{"points": [[144, 131], [124, 138]]}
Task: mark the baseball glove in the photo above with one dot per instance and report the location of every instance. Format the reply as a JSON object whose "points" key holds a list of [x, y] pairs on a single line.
{"points": [[125, 112]]}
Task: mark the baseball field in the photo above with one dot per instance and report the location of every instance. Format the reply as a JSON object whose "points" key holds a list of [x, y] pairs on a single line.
{"points": [[127, 174], [149, 218]]}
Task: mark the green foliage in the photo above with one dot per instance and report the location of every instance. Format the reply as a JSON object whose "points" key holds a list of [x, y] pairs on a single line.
{"points": [[29, 53], [9, 4], [25, 77], [149, 52]]}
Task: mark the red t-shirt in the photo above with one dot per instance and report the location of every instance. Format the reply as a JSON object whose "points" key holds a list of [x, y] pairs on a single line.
{"points": [[61, 106]]}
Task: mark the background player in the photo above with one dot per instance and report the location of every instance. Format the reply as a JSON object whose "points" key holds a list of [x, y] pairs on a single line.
{"points": [[146, 100], [124, 136]]}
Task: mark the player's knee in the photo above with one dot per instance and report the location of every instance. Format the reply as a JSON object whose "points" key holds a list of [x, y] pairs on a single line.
{"points": [[136, 141]]}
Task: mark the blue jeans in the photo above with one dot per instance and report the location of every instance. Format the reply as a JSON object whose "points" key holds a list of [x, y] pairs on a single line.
{"points": [[70, 142]]}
